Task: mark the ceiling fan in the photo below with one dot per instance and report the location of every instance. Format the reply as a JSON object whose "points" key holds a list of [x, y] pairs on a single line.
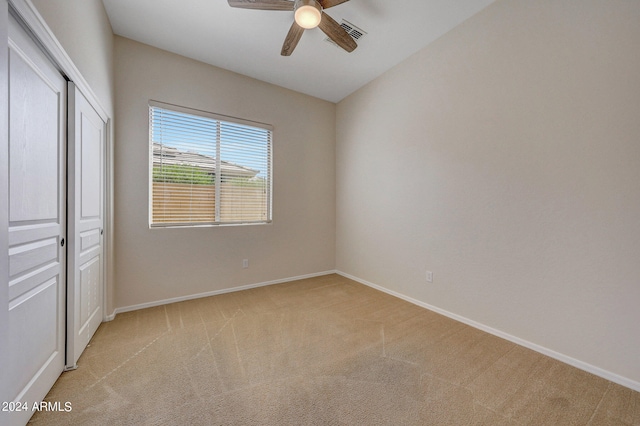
{"points": [[308, 14]]}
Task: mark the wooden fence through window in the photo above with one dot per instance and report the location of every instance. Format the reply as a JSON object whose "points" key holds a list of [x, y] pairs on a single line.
{"points": [[184, 203]]}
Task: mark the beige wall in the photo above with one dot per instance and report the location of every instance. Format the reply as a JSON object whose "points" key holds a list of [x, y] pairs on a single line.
{"points": [[505, 158], [84, 31], [158, 264]]}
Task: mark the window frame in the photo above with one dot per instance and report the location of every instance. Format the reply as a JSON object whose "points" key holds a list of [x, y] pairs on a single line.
{"points": [[222, 119]]}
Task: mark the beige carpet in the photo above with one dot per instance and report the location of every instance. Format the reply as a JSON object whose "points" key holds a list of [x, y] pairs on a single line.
{"points": [[321, 351]]}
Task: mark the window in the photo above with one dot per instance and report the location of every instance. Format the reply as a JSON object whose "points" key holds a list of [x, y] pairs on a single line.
{"points": [[207, 169]]}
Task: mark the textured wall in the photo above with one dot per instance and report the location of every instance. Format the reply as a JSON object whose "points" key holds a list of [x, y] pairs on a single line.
{"points": [[505, 158], [156, 264]]}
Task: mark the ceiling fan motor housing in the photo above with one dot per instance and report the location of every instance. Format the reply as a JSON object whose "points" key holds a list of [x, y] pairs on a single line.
{"points": [[308, 13]]}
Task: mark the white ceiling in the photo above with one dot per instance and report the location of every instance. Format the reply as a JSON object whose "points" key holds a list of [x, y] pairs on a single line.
{"points": [[249, 41]]}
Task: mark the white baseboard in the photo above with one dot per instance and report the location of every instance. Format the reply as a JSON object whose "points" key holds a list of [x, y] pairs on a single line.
{"points": [[211, 293], [623, 381]]}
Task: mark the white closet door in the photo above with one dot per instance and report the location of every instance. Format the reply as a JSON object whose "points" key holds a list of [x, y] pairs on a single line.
{"points": [[86, 211], [37, 205]]}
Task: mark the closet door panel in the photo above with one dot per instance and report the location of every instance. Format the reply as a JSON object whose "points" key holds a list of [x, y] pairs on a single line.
{"points": [[37, 222], [86, 211]]}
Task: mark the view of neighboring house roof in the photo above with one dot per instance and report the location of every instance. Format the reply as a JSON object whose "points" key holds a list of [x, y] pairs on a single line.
{"points": [[163, 154]]}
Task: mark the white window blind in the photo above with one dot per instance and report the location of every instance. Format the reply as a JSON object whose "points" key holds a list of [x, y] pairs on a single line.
{"points": [[207, 169]]}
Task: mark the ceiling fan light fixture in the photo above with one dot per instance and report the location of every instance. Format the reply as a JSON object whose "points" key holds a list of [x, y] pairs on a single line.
{"points": [[308, 13]]}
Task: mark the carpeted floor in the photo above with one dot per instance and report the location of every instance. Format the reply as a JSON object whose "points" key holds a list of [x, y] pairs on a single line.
{"points": [[321, 351]]}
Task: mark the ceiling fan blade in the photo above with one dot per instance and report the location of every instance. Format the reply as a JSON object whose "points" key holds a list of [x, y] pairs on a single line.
{"points": [[336, 33], [326, 4], [292, 39], [262, 4]]}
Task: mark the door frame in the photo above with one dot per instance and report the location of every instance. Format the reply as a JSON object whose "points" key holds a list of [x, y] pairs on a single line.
{"points": [[38, 27], [4, 192]]}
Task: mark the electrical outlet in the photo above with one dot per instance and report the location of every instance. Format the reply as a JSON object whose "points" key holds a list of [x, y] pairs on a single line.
{"points": [[245, 263], [429, 276]]}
